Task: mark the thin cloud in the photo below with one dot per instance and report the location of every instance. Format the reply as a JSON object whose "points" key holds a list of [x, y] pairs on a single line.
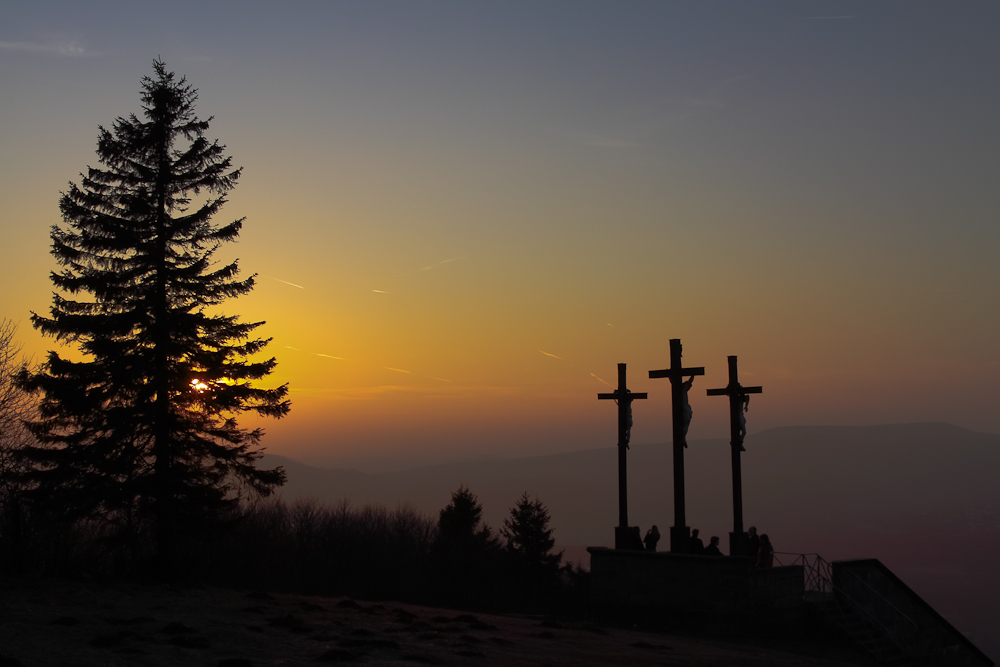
{"points": [[315, 354], [600, 380], [69, 50], [368, 393], [355, 394], [610, 325], [379, 291], [830, 18], [285, 281], [547, 354], [431, 266], [442, 379], [398, 370]]}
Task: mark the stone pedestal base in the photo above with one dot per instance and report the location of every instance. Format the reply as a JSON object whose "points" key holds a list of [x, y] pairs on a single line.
{"points": [[680, 539], [628, 538], [739, 544]]}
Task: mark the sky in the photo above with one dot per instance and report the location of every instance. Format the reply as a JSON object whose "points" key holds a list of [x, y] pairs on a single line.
{"points": [[462, 216]]}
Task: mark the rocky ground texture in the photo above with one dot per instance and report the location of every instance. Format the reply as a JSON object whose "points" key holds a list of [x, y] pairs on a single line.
{"points": [[54, 622]]}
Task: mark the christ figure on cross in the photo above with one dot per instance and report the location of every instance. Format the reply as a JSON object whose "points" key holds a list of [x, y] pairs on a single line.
{"points": [[688, 412], [680, 533], [625, 537], [745, 400]]}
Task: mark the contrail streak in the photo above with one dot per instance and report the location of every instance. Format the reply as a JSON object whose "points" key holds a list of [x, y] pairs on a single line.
{"points": [[431, 266], [285, 281], [600, 380]]}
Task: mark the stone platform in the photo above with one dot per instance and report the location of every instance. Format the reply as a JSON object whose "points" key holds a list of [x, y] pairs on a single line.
{"points": [[682, 583]]}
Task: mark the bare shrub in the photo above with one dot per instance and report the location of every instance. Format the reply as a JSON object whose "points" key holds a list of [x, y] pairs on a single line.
{"points": [[371, 551], [16, 407]]}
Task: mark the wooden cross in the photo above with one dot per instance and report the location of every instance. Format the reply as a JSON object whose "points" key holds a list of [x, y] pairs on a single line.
{"points": [[738, 397], [623, 397], [680, 533]]}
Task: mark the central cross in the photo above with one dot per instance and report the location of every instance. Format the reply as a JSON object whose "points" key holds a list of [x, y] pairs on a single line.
{"points": [[623, 397], [680, 533]]}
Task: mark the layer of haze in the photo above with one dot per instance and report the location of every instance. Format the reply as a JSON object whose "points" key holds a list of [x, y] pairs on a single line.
{"points": [[463, 215]]}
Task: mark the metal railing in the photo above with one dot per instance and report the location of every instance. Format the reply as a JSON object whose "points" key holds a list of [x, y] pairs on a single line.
{"points": [[881, 618], [817, 572]]}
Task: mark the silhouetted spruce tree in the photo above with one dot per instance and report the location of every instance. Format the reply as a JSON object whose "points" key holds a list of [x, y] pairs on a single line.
{"points": [[142, 426], [459, 521], [465, 552], [528, 537]]}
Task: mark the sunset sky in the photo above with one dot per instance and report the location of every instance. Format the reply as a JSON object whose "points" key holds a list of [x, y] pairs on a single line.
{"points": [[463, 215]]}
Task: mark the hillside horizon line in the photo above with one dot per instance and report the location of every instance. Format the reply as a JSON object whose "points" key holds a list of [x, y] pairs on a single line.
{"points": [[940, 427]]}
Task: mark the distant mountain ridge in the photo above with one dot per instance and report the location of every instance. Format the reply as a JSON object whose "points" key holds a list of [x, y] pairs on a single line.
{"points": [[902, 472], [922, 498]]}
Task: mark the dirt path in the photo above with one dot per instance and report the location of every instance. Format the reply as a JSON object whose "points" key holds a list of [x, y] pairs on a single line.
{"points": [[70, 624]]}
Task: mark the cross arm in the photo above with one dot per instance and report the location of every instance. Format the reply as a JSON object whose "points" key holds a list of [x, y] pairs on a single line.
{"points": [[743, 390], [629, 396], [684, 372]]}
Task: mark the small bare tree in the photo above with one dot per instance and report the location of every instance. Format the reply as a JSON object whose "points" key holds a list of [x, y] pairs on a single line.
{"points": [[16, 406]]}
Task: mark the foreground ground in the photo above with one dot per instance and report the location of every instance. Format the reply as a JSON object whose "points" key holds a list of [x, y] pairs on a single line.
{"points": [[70, 623]]}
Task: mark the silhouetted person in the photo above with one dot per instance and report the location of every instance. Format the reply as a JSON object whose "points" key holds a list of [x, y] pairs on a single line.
{"points": [[753, 541], [687, 407], [652, 537], [713, 547], [697, 546], [765, 556]]}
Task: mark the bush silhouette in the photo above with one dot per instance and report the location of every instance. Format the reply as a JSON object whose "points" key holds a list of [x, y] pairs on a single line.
{"points": [[529, 539]]}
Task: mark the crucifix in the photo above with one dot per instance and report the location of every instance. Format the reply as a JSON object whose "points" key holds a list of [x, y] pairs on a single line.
{"points": [[739, 399], [680, 533], [625, 538]]}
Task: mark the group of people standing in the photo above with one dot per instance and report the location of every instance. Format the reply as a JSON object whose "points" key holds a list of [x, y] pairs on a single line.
{"points": [[759, 546], [698, 547]]}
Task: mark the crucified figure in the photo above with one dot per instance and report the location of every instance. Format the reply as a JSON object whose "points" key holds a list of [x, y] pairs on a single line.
{"points": [[745, 401], [687, 406]]}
